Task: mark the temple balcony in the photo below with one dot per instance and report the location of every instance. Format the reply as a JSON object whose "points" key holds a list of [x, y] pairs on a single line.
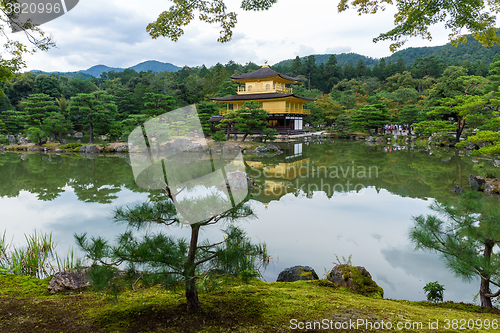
{"points": [[278, 111], [259, 89]]}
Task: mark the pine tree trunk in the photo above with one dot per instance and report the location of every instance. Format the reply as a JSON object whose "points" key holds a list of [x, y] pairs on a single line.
{"points": [[484, 289], [193, 303], [244, 137], [91, 131]]}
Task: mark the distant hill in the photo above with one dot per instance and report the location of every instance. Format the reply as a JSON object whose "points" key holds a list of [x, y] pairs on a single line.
{"points": [[98, 69], [69, 75], [341, 59], [472, 51], [155, 66], [95, 71]]}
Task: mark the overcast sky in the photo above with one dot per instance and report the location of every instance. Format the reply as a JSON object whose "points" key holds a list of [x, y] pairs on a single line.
{"points": [[113, 33]]}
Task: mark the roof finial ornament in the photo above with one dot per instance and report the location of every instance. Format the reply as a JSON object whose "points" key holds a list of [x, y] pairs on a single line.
{"points": [[265, 64]]}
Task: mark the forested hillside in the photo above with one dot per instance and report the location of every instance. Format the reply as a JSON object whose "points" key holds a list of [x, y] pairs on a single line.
{"points": [[472, 51], [438, 95]]}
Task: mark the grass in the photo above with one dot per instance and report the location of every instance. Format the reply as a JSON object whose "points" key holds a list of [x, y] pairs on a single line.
{"points": [[257, 307], [38, 259]]}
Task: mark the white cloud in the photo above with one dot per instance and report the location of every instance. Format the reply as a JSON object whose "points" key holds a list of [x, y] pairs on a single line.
{"points": [[338, 49], [113, 33]]}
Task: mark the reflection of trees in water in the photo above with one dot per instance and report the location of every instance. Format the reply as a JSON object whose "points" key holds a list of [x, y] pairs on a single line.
{"points": [[414, 173], [351, 166], [47, 175]]}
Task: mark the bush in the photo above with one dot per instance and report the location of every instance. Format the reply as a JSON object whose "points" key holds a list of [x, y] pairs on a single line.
{"points": [[71, 146], [218, 136], [434, 292]]}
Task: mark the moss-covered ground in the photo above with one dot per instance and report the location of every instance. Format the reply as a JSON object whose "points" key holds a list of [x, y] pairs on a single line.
{"points": [[27, 306]]}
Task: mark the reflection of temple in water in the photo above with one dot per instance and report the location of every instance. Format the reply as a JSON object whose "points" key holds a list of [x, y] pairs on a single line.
{"points": [[274, 176]]}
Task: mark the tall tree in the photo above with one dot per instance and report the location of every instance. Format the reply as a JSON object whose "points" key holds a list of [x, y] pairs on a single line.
{"points": [[37, 107], [250, 118], [372, 116], [157, 104], [95, 110]]}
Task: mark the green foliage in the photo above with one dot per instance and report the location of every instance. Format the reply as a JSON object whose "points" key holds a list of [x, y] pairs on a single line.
{"points": [[370, 117], [157, 104], [428, 127], [70, 146], [464, 233], [481, 169], [250, 118], [218, 136], [167, 260], [434, 292], [36, 134], [95, 110], [38, 259], [269, 134]]}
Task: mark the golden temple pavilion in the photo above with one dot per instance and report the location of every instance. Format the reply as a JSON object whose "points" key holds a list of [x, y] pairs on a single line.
{"points": [[268, 88]]}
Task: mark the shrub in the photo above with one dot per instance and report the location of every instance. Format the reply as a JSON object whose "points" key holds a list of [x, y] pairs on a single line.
{"points": [[434, 292], [71, 146], [218, 136]]}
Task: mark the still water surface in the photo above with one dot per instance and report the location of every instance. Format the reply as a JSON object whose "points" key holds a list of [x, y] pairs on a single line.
{"points": [[313, 203]]}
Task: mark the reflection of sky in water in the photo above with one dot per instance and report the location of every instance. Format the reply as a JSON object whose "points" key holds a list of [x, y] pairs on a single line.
{"points": [[371, 227], [298, 231]]}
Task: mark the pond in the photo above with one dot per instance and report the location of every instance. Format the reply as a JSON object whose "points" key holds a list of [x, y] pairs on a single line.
{"points": [[317, 202]]}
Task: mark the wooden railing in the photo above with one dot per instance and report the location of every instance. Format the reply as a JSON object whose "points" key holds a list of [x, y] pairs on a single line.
{"points": [[277, 111], [275, 89]]}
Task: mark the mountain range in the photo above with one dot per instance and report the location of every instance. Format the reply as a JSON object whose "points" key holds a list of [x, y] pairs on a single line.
{"points": [[472, 51], [97, 70]]}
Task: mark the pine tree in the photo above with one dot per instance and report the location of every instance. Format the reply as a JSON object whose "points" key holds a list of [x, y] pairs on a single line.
{"points": [[409, 115], [166, 260], [95, 110], [370, 117], [250, 118], [465, 234], [493, 78]]}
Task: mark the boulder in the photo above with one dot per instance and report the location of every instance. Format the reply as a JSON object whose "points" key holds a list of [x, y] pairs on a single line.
{"points": [[194, 147], [272, 148], [457, 189], [122, 149], [476, 183], [380, 140], [64, 142], [2, 146], [79, 135], [92, 149], [12, 139], [369, 139], [261, 149], [297, 273], [470, 146], [493, 186], [59, 151], [67, 281], [235, 147], [78, 141], [83, 149], [356, 278], [236, 180], [181, 143]]}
